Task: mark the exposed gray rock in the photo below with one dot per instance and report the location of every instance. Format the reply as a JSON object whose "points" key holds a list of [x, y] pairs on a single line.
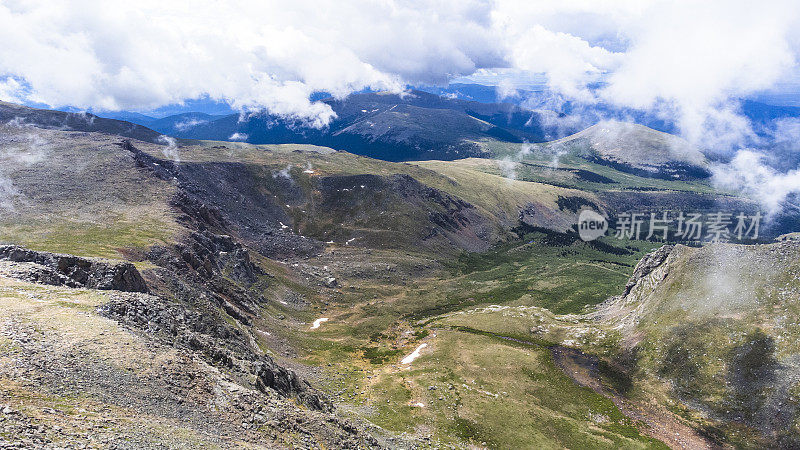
{"points": [[626, 309], [226, 197], [646, 265], [219, 342], [73, 271]]}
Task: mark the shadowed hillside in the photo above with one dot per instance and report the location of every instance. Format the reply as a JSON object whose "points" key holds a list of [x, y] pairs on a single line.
{"points": [[58, 120], [415, 125]]}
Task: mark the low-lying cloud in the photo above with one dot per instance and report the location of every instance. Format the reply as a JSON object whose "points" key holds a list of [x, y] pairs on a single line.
{"points": [[18, 149], [189, 124], [747, 173], [170, 149]]}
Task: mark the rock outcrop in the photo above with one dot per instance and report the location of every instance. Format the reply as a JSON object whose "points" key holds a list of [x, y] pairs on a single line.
{"points": [[73, 271], [626, 310], [647, 265], [221, 344]]}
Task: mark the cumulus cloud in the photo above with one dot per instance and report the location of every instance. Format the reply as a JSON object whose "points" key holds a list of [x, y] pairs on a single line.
{"points": [[10, 90], [686, 59], [694, 57], [569, 62], [253, 54]]}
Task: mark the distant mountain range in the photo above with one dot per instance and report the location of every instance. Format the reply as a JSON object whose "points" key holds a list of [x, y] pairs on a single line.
{"points": [[429, 123], [758, 110], [416, 125]]}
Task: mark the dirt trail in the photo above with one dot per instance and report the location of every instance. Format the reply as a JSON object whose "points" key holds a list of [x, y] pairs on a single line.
{"points": [[659, 423]]}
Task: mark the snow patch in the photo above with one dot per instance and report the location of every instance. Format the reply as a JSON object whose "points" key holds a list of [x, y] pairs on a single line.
{"points": [[318, 322], [414, 355]]}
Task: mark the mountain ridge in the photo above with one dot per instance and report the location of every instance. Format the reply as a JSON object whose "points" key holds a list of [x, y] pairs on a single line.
{"points": [[412, 124], [59, 120]]}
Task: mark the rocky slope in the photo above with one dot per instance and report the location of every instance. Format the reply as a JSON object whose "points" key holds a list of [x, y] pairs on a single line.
{"points": [[72, 378], [72, 271]]}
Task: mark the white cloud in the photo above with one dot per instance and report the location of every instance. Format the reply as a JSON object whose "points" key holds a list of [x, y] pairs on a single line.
{"points": [[189, 123], [170, 151], [683, 57], [254, 54], [696, 56], [10, 90], [747, 173]]}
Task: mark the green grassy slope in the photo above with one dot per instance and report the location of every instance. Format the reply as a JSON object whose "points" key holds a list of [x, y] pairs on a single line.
{"points": [[630, 148]]}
